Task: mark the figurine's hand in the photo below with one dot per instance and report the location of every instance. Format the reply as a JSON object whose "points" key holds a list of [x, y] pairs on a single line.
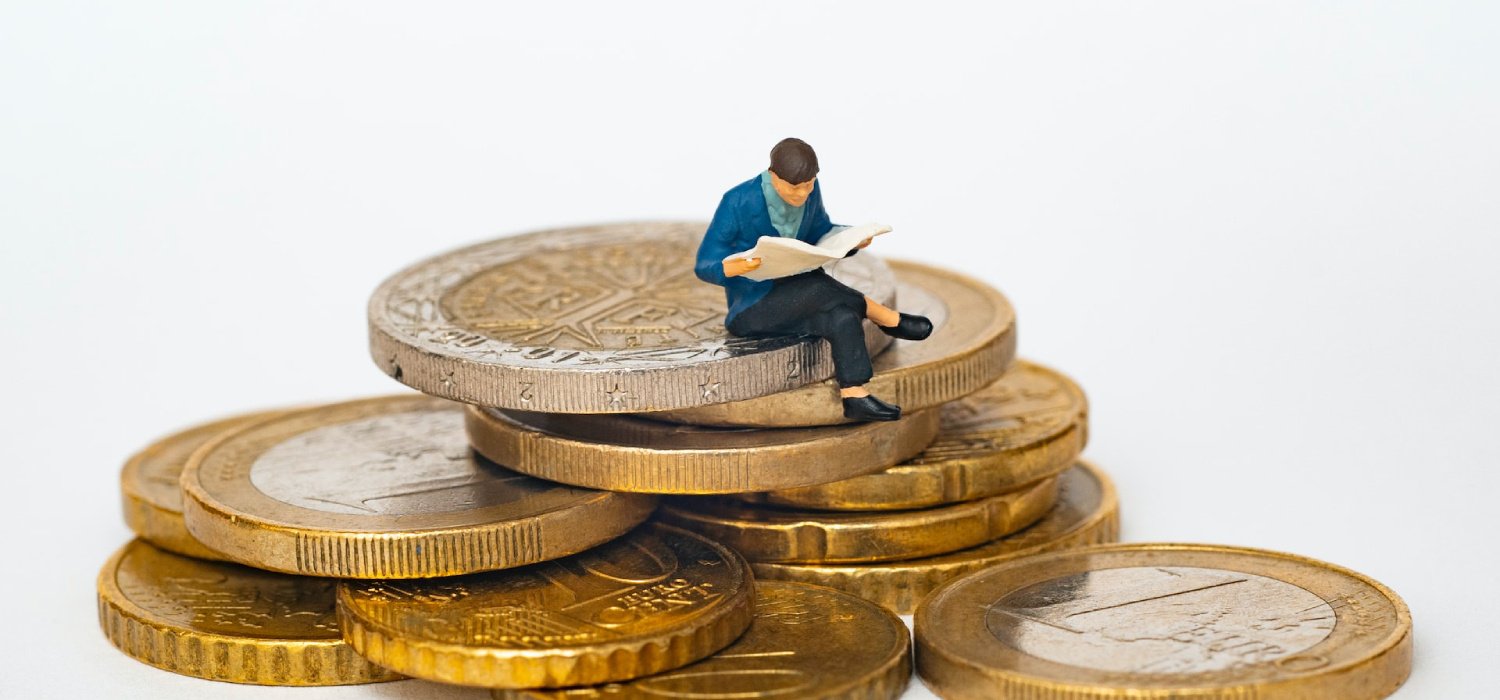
{"points": [[735, 267], [865, 243]]}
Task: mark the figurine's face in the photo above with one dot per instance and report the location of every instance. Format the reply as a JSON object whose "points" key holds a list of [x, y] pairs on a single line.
{"points": [[794, 195]]}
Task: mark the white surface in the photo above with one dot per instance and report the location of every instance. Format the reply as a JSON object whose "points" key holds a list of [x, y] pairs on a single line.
{"points": [[1263, 236]]}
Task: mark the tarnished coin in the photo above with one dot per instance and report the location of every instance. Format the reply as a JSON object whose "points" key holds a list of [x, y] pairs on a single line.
{"points": [[1159, 621], [384, 488], [1030, 424], [651, 601], [806, 643], [772, 534], [599, 319], [626, 453], [973, 340], [149, 491], [1087, 512], [226, 622]]}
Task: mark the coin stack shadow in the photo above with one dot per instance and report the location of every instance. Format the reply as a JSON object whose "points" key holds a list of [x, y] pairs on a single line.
{"points": [[362, 541]]}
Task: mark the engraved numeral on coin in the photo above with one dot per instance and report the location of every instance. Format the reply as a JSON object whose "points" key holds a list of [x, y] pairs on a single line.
{"points": [[526, 392]]}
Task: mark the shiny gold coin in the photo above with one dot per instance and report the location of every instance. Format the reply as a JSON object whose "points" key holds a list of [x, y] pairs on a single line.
{"points": [[651, 601], [769, 534], [384, 488], [150, 493], [807, 642], [1087, 512], [226, 622], [1030, 424], [1144, 621], [626, 453], [973, 340]]}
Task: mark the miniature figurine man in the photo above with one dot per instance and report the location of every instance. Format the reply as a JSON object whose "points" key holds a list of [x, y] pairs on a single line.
{"points": [[785, 201]]}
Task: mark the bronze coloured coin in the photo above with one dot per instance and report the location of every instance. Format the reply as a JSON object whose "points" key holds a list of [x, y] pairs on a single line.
{"points": [[597, 319], [384, 488], [973, 340], [149, 489], [627, 453], [772, 534], [1087, 512], [1030, 424], [654, 600], [1144, 621], [807, 643], [226, 622]]}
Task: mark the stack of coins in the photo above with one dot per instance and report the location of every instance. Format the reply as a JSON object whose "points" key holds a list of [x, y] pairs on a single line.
{"points": [[603, 493]]}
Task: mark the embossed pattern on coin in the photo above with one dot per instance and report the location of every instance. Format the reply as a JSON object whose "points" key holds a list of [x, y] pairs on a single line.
{"points": [[771, 534], [631, 454], [651, 601], [1086, 512], [973, 341], [599, 319], [1030, 424], [226, 622], [807, 643], [149, 489], [1164, 621], [385, 488]]}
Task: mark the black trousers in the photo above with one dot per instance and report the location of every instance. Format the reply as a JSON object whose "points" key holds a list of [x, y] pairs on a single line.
{"points": [[813, 303]]}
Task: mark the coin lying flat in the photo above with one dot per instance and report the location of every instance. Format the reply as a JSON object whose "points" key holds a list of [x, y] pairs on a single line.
{"points": [[770, 534], [654, 600], [807, 642], [384, 488], [973, 340], [150, 493], [226, 622], [599, 319], [626, 453], [1030, 424], [1087, 512], [1164, 621]]}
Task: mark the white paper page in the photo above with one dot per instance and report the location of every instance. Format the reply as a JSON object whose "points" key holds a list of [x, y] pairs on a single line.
{"points": [[784, 257]]}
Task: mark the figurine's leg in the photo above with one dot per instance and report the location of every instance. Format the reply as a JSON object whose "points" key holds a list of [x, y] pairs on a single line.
{"points": [[841, 327], [881, 314], [896, 324]]}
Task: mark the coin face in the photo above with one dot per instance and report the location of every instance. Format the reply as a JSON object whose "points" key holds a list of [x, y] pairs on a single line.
{"points": [[149, 489], [1160, 621], [770, 534], [226, 622], [807, 643], [973, 340], [1029, 424], [654, 600], [1086, 512], [599, 319], [384, 488], [631, 454]]}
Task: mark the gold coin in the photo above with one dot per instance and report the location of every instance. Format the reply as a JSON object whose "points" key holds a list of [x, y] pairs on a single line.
{"points": [[150, 493], [973, 340], [1087, 512], [769, 534], [384, 488], [651, 601], [1030, 424], [807, 642], [226, 622], [626, 453], [1145, 621]]}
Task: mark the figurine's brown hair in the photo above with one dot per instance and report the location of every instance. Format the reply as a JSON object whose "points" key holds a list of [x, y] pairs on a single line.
{"points": [[794, 161]]}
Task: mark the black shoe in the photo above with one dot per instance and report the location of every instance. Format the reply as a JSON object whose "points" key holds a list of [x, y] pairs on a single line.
{"points": [[869, 408], [910, 327]]}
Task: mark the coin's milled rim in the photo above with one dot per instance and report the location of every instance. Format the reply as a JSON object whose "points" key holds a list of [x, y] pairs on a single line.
{"points": [[1388, 660]]}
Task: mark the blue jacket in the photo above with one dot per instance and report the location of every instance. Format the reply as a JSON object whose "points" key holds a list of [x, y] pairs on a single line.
{"points": [[740, 220]]}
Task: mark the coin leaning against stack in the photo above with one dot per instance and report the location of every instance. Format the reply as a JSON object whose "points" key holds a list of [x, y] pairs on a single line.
{"points": [[499, 533]]}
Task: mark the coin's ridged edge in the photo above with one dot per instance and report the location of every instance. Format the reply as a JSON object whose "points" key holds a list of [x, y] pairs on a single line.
{"points": [[163, 528], [606, 663], [523, 448], [224, 658]]}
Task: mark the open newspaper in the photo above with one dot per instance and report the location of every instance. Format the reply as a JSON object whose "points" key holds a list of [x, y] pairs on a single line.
{"points": [[784, 257]]}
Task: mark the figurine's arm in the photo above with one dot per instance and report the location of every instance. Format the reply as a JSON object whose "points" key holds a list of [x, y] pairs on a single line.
{"points": [[822, 226], [718, 243]]}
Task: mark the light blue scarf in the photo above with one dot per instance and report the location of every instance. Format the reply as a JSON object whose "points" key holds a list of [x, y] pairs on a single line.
{"points": [[786, 218]]}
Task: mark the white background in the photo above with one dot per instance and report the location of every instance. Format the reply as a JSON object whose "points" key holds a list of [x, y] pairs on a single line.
{"points": [[1263, 236]]}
